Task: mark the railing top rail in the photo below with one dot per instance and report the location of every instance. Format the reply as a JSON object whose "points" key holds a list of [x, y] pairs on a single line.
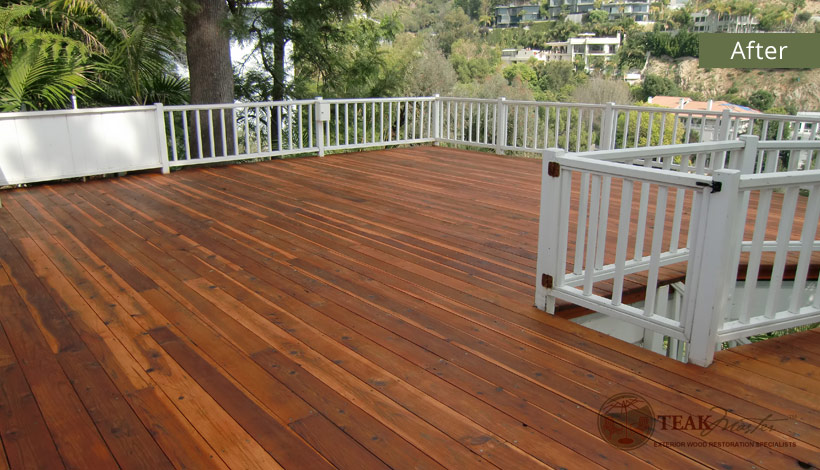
{"points": [[789, 145], [377, 100], [698, 112], [469, 100], [779, 180], [556, 104], [632, 172], [776, 117], [74, 112], [662, 150], [252, 104]]}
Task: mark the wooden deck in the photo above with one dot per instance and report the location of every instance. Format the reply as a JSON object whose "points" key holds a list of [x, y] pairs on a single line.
{"points": [[360, 311]]}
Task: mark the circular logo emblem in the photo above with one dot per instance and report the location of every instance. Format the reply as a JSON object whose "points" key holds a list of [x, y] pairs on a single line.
{"points": [[626, 421]]}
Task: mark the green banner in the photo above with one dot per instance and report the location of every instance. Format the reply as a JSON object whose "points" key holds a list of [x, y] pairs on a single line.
{"points": [[760, 51]]}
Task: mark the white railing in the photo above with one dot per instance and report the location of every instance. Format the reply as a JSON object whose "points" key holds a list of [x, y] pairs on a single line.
{"points": [[377, 122], [197, 134], [612, 220]]}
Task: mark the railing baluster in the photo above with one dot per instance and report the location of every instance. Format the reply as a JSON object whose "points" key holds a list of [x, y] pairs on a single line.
{"points": [[198, 134], [784, 231], [592, 242], [603, 222], [568, 129], [172, 131], [290, 127], [515, 127], [398, 120], [649, 130], [546, 127], [641, 228], [247, 130], [364, 122], [624, 221], [579, 126], [470, 124], [563, 230], [674, 239], [211, 138], [536, 118], [258, 130], [310, 125], [421, 119], [279, 128], [626, 129], [655, 256], [807, 237], [526, 125], [269, 117], [580, 232]]}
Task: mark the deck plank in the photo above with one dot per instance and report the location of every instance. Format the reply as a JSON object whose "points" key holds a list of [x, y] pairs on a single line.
{"points": [[367, 310]]}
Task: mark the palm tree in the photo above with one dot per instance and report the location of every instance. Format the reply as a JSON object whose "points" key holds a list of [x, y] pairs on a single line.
{"points": [[44, 50]]}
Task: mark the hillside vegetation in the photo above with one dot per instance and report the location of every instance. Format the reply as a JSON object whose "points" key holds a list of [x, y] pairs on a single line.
{"points": [[794, 90]]}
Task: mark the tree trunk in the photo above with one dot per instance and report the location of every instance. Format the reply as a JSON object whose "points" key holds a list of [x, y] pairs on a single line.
{"points": [[279, 41], [208, 47]]}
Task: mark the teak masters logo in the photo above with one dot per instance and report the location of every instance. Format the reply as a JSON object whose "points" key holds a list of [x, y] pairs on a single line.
{"points": [[626, 421]]}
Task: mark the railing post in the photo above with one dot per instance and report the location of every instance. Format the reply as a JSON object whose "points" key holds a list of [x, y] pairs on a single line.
{"points": [[321, 114], [500, 126], [162, 138], [724, 126], [608, 126], [548, 261], [749, 155], [437, 120], [710, 273]]}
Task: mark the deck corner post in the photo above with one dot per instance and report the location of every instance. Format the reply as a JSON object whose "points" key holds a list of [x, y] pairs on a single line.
{"points": [[547, 264], [162, 138], [320, 115], [500, 125], [607, 126], [437, 124], [711, 270]]}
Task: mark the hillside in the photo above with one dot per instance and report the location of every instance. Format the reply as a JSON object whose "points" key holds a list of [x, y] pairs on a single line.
{"points": [[799, 89]]}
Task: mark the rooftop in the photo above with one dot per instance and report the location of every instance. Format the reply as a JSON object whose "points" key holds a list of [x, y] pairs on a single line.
{"points": [[365, 310], [690, 104]]}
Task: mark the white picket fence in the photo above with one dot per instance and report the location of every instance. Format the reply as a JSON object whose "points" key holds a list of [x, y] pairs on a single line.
{"points": [[686, 205]]}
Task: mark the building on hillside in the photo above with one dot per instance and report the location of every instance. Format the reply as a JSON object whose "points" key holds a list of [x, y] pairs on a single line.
{"points": [[574, 9], [512, 15], [557, 8], [708, 21], [638, 10], [587, 46]]}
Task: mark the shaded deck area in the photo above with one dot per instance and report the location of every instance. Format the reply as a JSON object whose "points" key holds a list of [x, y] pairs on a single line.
{"points": [[360, 311]]}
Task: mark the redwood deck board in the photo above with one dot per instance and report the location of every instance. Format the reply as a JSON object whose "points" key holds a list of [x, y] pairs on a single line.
{"points": [[365, 310]]}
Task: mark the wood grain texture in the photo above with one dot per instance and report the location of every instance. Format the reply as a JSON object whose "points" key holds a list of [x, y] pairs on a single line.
{"points": [[369, 310]]}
